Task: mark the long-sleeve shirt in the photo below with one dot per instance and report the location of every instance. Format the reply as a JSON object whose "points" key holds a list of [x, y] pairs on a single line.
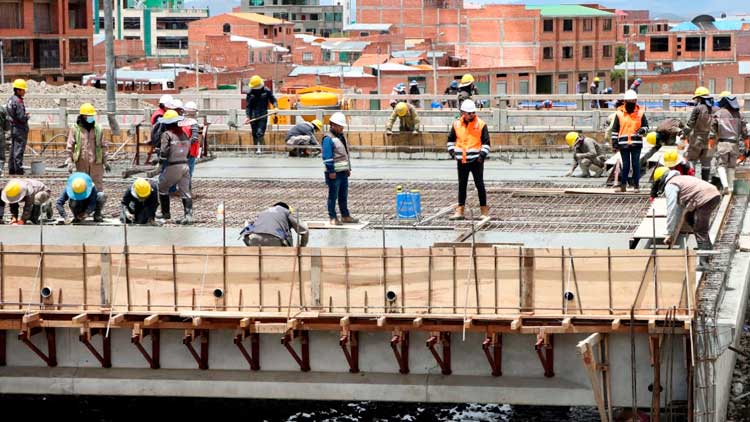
{"points": [[409, 122], [674, 210], [87, 205], [456, 146], [622, 141], [588, 149], [88, 145], [699, 122], [17, 113], [258, 101], [135, 204], [728, 125], [335, 153]]}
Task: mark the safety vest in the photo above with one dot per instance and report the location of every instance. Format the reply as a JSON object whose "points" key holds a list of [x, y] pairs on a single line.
{"points": [[97, 142], [630, 123], [468, 139]]}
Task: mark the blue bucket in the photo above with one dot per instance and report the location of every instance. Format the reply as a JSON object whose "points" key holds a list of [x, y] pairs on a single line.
{"points": [[408, 204]]}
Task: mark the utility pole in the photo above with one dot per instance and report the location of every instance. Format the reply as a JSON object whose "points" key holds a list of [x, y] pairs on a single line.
{"points": [[197, 80], [627, 46], [2, 64], [109, 51], [379, 92]]}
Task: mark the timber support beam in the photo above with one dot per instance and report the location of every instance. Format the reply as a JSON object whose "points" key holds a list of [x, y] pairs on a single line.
{"points": [[545, 349], [493, 350], [253, 357], [304, 360], [349, 343], [137, 339], [400, 346], [445, 339]]}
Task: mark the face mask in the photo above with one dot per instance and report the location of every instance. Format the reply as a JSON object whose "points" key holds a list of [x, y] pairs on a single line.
{"points": [[469, 117], [630, 107], [90, 119]]}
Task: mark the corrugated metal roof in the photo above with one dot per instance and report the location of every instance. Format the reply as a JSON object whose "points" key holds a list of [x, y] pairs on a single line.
{"points": [[722, 25], [394, 67], [253, 43], [407, 54], [562, 10], [348, 71], [368, 27], [256, 17], [352, 46]]}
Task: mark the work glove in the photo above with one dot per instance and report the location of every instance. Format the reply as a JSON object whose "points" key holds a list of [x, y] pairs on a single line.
{"points": [[389, 132], [70, 165], [348, 173], [668, 241], [415, 132], [642, 131], [332, 176], [452, 155], [125, 216], [17, 222], [711, 143], [568, 174]]}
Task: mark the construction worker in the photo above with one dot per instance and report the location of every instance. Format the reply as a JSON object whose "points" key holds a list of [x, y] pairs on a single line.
{"points": [[338, 169], [408, 119], [636, 84], [86, 148], [666, 134], [630, 124], [302, 135], [19, 126], [398, 91], [729, 128], [696, 132], [84, 199], [139, 203], [690, 195], [175, 146], [451, 90], [273, 226], [594, 89], [163, 101], [258, 100], [414, 90], [192, 129], [469, 145], [35, 196], [674, 161], [587, 153], [4, 127], [467, 89]]}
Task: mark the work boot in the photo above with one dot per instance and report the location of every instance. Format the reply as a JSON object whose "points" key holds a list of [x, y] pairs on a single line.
{"points": [[164, 203], [187, 204], [637, 189], [459, 214], [706, 174], [349, 220], [703, 260], [621, 188], [730, 179], [2, 164], [100, 199], [485, 211], [722, 171], [334, 222]]}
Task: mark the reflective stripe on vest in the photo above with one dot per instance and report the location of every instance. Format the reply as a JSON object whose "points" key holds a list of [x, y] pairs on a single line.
{"points": [[468, 137], [630, 123], [97, 142]]}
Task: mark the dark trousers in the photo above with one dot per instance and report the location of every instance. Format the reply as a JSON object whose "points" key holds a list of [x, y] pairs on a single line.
{"points": [[338, 189], [259, 130], [700, 219], [142, 213], [18, 146], [2, 148], [631, 155], [476, 169], [36, 211]]}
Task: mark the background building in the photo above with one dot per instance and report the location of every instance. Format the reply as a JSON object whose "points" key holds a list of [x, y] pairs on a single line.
{"points": [[308, 16]]}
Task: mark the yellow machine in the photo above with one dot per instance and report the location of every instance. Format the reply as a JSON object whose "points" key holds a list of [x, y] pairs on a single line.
{"points": [[320, 97]]}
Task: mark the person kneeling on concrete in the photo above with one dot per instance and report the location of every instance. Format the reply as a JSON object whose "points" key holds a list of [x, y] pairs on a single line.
{"points": [[666, 134], [303, 134], [587, 153], [175, 145], [273, 226], [84, 199], [408, 119], [730, 129], [35, 196], [139, 203], [693, 196]]}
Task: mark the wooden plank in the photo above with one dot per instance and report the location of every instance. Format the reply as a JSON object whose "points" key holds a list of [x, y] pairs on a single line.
{"points": [[80, 319], [585, 349], [325, 224], [151, 320]]}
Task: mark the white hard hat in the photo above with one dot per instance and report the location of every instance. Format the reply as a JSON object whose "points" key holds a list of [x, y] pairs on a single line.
{"points": [[190, 106], [630, 95], [338, 118], [174, 104], [468, 106], [165, 99]]}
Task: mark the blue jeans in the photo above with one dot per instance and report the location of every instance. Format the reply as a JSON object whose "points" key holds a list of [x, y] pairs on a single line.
{"points": [[338, 188], [631, 155]]}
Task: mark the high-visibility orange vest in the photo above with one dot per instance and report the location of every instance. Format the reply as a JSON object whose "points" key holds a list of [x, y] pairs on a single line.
{"points": [[630, 123], [468, 137]]}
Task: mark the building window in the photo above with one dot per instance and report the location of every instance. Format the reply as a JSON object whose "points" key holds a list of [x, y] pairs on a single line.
{"points": [[101, 23], [11, 15], [313, 16], [174, 23], [659, 44], [46, 54], [607, 25], [549, 25], [729, 85], [547, 53], [171, 43], [523, 87], [695, 44], [131, 22], [607, 51], [16, 51], [722, 43], [307, 57], [77, 16], [567, 25], [643, 29], [588, 25], [265, 31], [567, 52], [43, 23], [226, 28], [327, 56], [626, 29], [587, 52], [79, 50], [712, 85]]}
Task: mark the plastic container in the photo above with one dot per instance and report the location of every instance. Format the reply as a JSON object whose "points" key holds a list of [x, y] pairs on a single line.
{"points": [[408, 204]]}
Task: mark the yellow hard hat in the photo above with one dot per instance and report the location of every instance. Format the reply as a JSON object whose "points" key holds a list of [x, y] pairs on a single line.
{"points": [[596, 79], [670, 158], [571, 138], [87, 109], [256, 82], [20, 84], [660, 172], [13, 192], [701, 91], [141, 188], [651, 138], [78, 185], [401, 109], [725, 94], [318, 124], [467, 79]]}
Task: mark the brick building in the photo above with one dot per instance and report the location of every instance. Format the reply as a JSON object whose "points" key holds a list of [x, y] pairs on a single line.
{"points": [[722, 40], [561, 44], [308, 16], [717, 77], [46, 40]]}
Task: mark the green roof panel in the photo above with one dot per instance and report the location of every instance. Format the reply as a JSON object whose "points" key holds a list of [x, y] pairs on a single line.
{"points": [[568, 10]]}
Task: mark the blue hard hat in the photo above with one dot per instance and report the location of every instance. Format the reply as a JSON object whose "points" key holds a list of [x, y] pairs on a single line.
{"points": [[79, 186], [454, 84], [413, 82]]}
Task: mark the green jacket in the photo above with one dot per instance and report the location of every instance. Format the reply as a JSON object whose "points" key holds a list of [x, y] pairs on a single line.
{"points": [[97, 139], [408, 123]]}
